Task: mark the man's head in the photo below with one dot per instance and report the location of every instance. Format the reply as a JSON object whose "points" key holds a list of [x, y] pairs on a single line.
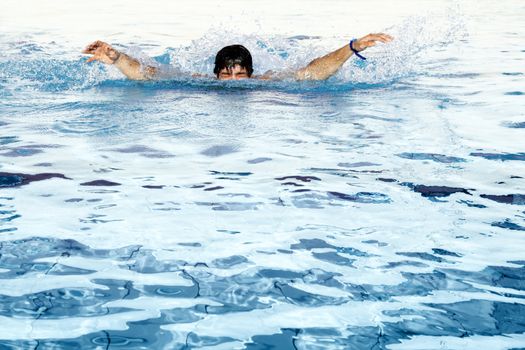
{"points": [[233, 62]]}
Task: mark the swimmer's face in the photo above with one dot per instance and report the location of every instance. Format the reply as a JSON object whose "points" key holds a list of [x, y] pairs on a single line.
{"points": [[233, 73]]}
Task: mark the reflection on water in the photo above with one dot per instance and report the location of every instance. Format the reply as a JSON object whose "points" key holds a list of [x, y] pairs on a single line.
{"points": [[383, 209]]}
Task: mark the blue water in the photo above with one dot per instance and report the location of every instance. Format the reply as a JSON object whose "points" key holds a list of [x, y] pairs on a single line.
{"points": [[381, 209]]}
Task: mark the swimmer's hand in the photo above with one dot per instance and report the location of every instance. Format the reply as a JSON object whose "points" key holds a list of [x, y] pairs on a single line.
{"points": [[129, 66], [371, 40], [102, 52]]}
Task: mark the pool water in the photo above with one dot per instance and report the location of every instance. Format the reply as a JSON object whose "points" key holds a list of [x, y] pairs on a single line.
{"points": [[383, 208]]}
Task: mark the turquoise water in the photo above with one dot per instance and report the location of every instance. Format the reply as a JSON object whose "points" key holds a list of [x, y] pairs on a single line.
{"points": [[381, 209]]}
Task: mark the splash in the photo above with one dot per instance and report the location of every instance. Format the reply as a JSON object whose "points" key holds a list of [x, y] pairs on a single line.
{"points": [[34, 66]]}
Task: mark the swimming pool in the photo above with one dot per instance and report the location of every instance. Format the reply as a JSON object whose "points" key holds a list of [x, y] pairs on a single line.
{"points": [[382, 209]]}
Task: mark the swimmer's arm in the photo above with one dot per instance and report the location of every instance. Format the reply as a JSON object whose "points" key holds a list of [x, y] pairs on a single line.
{"points": [[132, 68], [128, 65], [268, 75], [324, 67]]}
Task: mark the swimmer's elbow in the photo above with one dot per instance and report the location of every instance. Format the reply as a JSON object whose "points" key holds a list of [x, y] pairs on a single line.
{"points": [[315, 70], [146, 73], [308, 74]]}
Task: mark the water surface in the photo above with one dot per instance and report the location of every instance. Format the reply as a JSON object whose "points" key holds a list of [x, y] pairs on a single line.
{"points": [[381, 209]]}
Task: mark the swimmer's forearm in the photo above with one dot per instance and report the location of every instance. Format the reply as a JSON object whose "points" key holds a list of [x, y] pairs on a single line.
{"points": [[132, 68], [324, 67]]}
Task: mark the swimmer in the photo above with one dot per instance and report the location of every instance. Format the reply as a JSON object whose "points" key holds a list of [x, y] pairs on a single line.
{"points": [[235, 62]]}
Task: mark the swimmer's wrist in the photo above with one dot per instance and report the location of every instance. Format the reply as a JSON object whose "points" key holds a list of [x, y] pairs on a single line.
{"points": [[356, 52], [117, 58]]}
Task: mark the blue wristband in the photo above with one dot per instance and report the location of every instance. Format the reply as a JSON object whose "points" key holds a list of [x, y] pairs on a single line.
{"points": [[355, 51]]}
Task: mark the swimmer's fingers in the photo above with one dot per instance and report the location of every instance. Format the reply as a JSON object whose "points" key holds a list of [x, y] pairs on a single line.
{"points": [[91, 48], [382, 37], [102, 52], [101, 56], [385, 38], [371, 40]]}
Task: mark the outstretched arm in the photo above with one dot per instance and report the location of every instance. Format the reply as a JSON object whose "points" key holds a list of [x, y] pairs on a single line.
{"points": [[129, 66], [324, 67]]}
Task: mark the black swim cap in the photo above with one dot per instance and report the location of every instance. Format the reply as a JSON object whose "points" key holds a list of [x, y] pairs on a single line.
{"points": [[231, 55]]}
